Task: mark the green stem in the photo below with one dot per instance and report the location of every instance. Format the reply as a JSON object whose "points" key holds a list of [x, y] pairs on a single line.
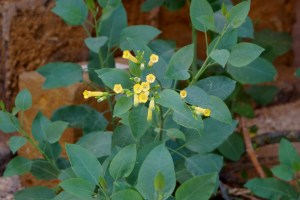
{"points": [[32, 142], [161, 123], [174, 151], [206, 63], [102, 65], [86, 30], [195, 42]]}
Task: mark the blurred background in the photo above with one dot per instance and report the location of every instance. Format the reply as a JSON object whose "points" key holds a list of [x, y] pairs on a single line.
{"points": [[31, 36]]}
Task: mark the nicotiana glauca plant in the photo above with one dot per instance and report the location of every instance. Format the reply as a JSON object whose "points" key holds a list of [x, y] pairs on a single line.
{"points": [[170, 127]]}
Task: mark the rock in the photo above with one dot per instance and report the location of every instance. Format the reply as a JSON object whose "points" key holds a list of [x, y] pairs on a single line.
{"points": [[31, 35], [8, 186]]}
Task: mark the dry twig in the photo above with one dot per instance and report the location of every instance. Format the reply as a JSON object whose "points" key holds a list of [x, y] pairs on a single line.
{"points": [[249, 149]]}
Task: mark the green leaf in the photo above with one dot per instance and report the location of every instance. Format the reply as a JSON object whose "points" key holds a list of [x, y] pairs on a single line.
{"points": [[259, 71], [112, 26], [42, 169], [8, 122], [159, 182], [23, 100], [16, 142], [138, 121], [174, 5], [202, 15], [246, 30], [242, 54], [206, 142], [143, 33], [225, 42], [109, 3], [271, 188], [219, 86], [98, 143], [288, 154], [122, 106], [126, 195], [199, 187], [110, 77], [35, 193], [199, 165], [51, 150], [275, 43], [170, 99], [221, 56], [233, 147], [151, 4], [17, 166], [263, 94], [238, 14], [90, 4], [84, 163], [68, 173], [94, 44], [141, 156], [54, 131], [185, 118], [219, 109], [78, 187], [122, 136], [196, 96], [283, 172], [180, 63], [39, 125], [60, 74], [73, 12], [244, 109], [66, 196], [175, 133], [81, 116], [123, 163], [158, 160]]}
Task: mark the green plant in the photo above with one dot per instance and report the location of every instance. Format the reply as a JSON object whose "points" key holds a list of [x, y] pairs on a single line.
{"points": [[170, 124], [287, 170]]}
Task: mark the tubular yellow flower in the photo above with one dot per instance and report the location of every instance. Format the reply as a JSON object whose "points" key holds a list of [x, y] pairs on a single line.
{"points": [[143, 97], [150, 78], [153, 59], [135, 99], [137, 88], [88, 94], [145, 86], [149, 115], [127, 55], [150, 109], [202, 111], [183, 94], [118, 88]]}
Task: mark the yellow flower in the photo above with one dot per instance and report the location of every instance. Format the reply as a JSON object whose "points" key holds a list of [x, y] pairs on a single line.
{"points": [[149, 115], [127, 55], [137, 88], [143, 97], [88, 94], [150, 109], [202, 111], [145, 86], [153, 59], [183, 94], [150, 78], [135, 99], [118, 88]]}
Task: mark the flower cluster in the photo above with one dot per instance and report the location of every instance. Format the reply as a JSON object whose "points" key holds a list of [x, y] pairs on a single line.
{"points": [[143, 91]]}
